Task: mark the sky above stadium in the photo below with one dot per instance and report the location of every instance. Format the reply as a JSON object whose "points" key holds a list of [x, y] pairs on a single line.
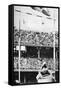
{"points": [[27, 18]]}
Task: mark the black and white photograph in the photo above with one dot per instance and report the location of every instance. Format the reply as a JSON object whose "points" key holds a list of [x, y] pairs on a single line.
{"points": [[35, 45]]}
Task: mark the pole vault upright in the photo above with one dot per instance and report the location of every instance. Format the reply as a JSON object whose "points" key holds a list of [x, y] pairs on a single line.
{"points": [[54, 39], [19, 51], [19, 81]]}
